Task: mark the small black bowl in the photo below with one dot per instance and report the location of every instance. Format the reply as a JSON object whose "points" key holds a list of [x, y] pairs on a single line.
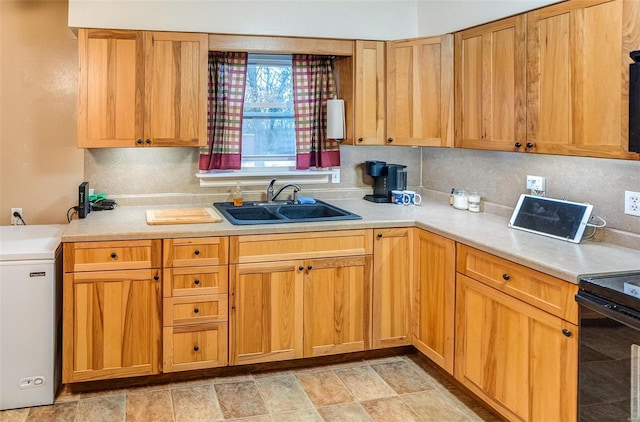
{"points": [[374, 168]]}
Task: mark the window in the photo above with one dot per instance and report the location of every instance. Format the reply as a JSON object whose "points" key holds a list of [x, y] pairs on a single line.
{"points": [[268, 128]]}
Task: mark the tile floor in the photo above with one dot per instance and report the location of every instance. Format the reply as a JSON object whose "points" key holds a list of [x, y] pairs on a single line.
{"points": [[393, 388]]}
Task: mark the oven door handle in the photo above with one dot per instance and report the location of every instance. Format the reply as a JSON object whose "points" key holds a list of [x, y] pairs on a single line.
{"points": [[603, 307]]}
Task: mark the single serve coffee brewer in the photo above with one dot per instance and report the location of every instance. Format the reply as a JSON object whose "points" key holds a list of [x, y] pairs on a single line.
{"points": [[386, 177]]}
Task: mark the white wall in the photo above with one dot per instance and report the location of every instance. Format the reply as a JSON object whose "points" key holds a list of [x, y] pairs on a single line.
{"points": [[437, 17], [351, 19]]}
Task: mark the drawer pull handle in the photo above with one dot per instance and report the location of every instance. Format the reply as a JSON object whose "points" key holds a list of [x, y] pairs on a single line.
{"points": [[506, 276], [517, 144], [196, 281], [196, 348], [300, 268], [114, 255], [196, 252], [566, 332], [156, 277], [360, 139], [196, 310], [309, 267], [379, 235], [529, 145]]}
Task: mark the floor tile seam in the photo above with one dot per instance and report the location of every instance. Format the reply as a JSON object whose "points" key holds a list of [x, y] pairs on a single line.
{"points": [[385, 398], [459, 404], [343, 384], [264, 402], [395, 393], [271, 413], [452, 404]]}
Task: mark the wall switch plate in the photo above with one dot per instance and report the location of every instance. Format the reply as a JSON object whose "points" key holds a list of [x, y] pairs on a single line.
{"points": [[16, 220], [632, 203], [335, 175]]}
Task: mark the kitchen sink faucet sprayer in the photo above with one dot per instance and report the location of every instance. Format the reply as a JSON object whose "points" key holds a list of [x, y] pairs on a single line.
{"points": [[272, 196]]}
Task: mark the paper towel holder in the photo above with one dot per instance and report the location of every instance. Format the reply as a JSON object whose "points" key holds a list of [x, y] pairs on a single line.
{"points": [[335, 119]]}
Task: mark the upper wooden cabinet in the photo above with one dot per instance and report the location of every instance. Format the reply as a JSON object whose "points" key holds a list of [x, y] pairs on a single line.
{"points": [[420, 91], [490, 92], [369, 104], [141, 88], [554, 80], [578, 77]]}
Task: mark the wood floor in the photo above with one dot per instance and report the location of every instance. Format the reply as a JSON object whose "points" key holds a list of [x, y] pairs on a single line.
{"points": [[403, 387]]}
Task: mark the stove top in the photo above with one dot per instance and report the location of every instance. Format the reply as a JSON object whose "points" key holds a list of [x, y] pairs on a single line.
{"points": [[619, 288]]}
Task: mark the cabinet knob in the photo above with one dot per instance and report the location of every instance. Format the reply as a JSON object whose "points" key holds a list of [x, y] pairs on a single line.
{"points": [[139, 141], [156, 277], [147, 141], [517, 145], [196, 348], [379, 235], [114, 255], [360, 139], [196, 310], [506, 276], [390, 140], [566, 332], [196, 281], [196, 252], [309, 267], [300, 268], [529, 145]]}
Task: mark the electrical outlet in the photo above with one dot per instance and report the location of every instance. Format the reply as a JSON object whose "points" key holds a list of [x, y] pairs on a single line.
{"points": [[632, 203], [16, 220], [536, 183], [335, 175]]}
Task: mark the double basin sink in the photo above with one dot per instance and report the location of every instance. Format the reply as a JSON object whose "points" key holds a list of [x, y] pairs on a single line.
{"points": [[282, 212]]}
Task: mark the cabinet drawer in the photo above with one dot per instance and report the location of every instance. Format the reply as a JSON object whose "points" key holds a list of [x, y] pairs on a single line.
{"points": [[191, 281], [195, 309], [195, 347], [115, 255], [279, 247], [196, 251], [540, 290]]}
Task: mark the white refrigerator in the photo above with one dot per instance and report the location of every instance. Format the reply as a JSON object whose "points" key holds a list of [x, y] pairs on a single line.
{"points": [[30, 314]]}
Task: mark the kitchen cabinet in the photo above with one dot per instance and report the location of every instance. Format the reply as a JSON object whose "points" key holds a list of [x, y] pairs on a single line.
{"points": [[195, 303], [111, 310], [139, 88], [299, 294], [420, 91], [519, 358], [434, 297], [490, 86], [392, 281], [578, 75], [552, 81]]}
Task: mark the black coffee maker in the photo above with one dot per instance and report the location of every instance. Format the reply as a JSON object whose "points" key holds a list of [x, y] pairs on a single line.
{"points": [[386, 177]]}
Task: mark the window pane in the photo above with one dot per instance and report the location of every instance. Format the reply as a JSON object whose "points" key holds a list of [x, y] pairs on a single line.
{"points": [[268, 136]]}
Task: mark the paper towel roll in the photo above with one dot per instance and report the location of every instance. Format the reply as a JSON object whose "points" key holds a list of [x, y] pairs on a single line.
{"points": [[335, 119]]}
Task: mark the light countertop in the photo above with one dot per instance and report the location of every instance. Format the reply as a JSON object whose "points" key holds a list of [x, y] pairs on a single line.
{"points": [[484, 231]]}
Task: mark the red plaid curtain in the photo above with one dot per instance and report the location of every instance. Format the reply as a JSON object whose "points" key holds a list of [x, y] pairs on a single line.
{"points": [[227, 76], [313, 85]]}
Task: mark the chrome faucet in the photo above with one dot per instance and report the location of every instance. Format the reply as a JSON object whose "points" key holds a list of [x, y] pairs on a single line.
{"points": [[272, 196]]}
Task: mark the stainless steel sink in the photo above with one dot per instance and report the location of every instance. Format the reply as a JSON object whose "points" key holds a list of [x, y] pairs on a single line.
{"points": [[282, 212]]}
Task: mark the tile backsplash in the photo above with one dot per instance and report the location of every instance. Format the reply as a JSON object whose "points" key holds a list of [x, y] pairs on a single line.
{"points": [[166, 176]]}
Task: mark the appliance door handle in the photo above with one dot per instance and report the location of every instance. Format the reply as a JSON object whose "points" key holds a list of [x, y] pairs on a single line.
{"points": [[598, 305]]}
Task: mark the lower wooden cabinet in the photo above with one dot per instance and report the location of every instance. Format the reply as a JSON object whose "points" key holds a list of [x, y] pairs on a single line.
{"points": [[434, 297], [392, 281], [519, 359], [111, 324]]}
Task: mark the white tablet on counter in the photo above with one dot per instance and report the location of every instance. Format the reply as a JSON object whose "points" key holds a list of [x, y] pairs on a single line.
{"points": [[556, 218]]}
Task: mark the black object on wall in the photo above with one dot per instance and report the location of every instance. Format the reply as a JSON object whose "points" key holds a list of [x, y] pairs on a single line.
{"points": [[84, 207], [634, 102]]}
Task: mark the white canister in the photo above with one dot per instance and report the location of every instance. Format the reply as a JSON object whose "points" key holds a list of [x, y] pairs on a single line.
{"points": [[460, 199], [474, 202]]}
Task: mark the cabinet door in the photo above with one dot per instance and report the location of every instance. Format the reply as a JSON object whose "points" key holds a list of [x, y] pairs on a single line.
{"points": [[420, 91], [578, 76], [369, 93], [520, 359], [111, 324], [176, 88], [490, 86], [265, 312], [392, 275], [110, 88], [434, 297], [190, 347], [337, 295]]}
